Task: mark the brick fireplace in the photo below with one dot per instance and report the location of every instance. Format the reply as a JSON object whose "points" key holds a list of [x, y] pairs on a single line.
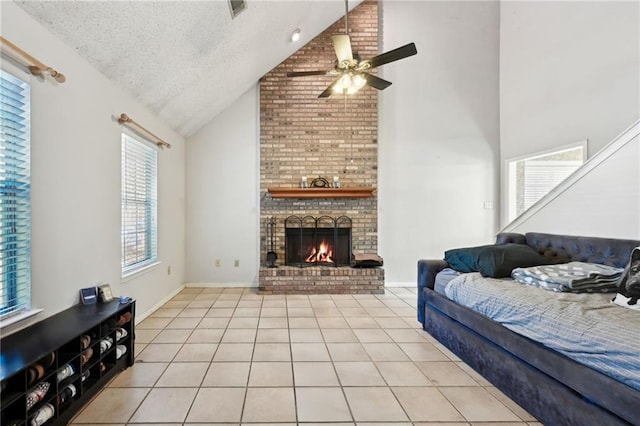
{"points": [[303, 137]]}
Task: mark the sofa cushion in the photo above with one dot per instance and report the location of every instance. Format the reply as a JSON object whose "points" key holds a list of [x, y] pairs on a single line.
{"points": [[496, 261]]}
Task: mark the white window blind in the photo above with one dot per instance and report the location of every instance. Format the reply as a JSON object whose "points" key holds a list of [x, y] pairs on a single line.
{"points": [[139, 204], [15, 195]]}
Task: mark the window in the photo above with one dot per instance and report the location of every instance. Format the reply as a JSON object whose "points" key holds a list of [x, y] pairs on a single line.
{"points": [[15, 195], [531, 178], [139, 204]]}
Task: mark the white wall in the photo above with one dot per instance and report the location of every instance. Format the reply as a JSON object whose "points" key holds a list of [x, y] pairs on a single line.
{"points": [[75, 166], [222, 197], [569, 71], [438, 132]]}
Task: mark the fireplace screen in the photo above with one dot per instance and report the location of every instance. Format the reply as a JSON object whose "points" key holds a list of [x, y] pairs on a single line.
{"points": [[313, 241]]}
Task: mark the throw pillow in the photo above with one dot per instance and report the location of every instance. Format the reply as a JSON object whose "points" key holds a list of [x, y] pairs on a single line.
{"points": [[496, 261]]}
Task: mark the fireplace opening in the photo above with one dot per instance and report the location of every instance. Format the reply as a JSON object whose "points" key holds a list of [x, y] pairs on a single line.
{"points": [[324, 241]]}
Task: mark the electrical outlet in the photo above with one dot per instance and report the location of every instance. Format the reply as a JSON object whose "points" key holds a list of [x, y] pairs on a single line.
{"points": [[168, 270], [236, 263], [218, 263]]}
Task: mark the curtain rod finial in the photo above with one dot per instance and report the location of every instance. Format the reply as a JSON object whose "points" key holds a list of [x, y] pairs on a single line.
{"points": [[124, 118]]}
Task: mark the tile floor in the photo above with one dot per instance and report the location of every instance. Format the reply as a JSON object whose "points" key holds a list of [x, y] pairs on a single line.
{"points": [[231, 356]]}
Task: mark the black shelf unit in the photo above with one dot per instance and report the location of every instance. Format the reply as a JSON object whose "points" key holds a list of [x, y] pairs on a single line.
{"points": [[37, 353]]}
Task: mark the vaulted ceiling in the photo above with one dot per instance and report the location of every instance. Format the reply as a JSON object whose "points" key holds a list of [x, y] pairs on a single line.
{"points": [[185, 60]]}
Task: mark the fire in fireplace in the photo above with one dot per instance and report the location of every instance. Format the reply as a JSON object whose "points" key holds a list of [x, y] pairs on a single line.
{"points": [[317, 241]]}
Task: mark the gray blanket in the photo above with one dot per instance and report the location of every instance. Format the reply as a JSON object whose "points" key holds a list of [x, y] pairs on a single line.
{"points": [[574, 277]]}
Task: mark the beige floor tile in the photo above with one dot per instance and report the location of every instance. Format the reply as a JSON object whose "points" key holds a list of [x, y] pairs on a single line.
{"points": [[166, 313], [321, 405], [183, 374], [322, 303], [405, 335], [176, 304], [309, 352], [153, 322], [385, 352], [246, 303], [222, 303], [217, 405], [189, 323], [374, 404], [269, 405], [234, 352], [112, 405], [227, 374], [402, 374], [215, 312], [422, 352], [339, 335], [146, 335], [474, 374], [159, 352], [139, 347], [193, 313], [243, 322], [511, 405], [212, 290], [272, 335], [445, 374], [426, 404], [379, 312], [371, 335], [271, 374], [371, 303], [442, 348], [213, 322], [273, 322], [273, 312], [200, 304], [300, 312], [477, 405], [354, 312], [326, 312], [196, 352], [303, 322], [314, 374], [308, 335], [247, 312], [362, 322], [346, 303], [139, 375], [239, 335], [392, 323], [172, 336], [206, 335], [271, 352], [333, 322], [442, 424], [406, 312], [98, 424], [360, 373], [165, 405], [274, 303], [302, 303], [347, 352]]}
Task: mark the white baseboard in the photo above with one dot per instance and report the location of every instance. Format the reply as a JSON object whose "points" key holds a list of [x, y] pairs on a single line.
{"points": [[221, 285], [141, 317], [400, 284]]}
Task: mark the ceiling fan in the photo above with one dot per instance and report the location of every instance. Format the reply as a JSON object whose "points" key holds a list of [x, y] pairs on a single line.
{"points": [[350, 70]]}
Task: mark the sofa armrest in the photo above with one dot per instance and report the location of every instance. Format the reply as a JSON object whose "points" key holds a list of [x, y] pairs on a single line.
{"points": [[510, 237], [427, 271]]}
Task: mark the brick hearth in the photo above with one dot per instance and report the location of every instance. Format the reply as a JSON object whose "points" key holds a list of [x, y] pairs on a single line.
{"points": [[301, 135]]}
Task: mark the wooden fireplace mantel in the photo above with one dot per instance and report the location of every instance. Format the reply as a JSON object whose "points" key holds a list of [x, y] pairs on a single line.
{"points": [[353, 192]]}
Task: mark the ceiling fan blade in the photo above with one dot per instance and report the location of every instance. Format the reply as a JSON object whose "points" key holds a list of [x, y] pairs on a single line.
{"points": [[342, 46], [392, 55], [327, 92], [306, 73], [376, 82]]}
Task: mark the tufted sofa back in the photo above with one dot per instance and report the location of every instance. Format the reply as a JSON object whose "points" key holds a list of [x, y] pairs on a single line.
{"points": [[605, 251]]}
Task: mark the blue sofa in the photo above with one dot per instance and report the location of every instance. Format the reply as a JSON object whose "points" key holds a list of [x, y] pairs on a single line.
{"points": [[550, 386]]}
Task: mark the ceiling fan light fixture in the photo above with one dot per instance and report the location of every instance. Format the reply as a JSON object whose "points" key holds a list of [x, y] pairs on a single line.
{"points": [[349, 83]]}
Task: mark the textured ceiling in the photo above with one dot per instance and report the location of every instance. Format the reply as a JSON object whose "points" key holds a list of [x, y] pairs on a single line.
{"points": [[186, 60]]}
